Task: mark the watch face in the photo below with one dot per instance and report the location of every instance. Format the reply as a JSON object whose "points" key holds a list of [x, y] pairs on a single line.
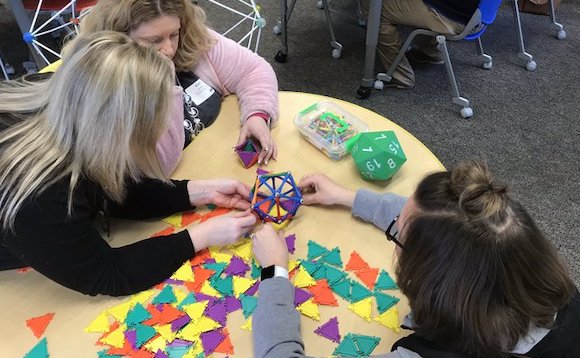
{"points": [[268, 272]]}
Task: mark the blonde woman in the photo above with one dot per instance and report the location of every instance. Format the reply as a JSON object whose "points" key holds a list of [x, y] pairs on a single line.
{"points": [[84, 141], [209, 67]]}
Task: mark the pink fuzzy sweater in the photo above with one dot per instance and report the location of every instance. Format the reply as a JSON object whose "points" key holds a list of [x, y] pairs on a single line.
{"points": [[231, 69]]}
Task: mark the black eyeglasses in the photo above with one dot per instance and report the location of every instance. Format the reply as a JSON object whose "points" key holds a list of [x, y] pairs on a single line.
{"points": [[392, 233]]}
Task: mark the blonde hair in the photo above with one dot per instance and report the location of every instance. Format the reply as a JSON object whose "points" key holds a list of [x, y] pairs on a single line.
{"points": [[98, 117], [126, 15], [475, 267]]}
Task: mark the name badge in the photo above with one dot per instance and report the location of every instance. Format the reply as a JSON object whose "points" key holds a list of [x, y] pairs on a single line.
{"points": [[199, 92]]}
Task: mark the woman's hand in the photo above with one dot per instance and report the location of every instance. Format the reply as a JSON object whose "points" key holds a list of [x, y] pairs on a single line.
{"points": [[226, 193], [222, 230], [320, 189], [270, 247], [257, 127]]}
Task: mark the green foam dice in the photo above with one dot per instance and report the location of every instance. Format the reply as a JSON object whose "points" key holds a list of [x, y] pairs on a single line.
{"points": [[377, 155]]}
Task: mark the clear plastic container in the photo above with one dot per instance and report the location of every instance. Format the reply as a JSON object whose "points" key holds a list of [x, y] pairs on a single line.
{"points": [[328, 126]]}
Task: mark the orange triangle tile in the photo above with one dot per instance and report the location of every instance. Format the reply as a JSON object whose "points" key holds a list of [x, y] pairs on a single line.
{"points": [[368, 276], [322, 294], [189, 217], [155, 316], [167, 231], [127, 350], [225, 346], [142, 354], [216, 212], [39, 324], [200, 257], [169, 314], [356, 262]]}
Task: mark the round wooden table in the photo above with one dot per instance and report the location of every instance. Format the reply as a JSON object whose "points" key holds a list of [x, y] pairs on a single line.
{"points": [[29, 294]]}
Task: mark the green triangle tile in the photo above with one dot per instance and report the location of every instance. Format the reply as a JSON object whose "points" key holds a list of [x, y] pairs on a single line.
{"points": [[385, 282], [358, 292], [320, 273], [342, 288], [384, 301], [189, 299], [218, 267], [144, 334], [256, 270], [211, 207], [176, 352], [40, 350], [224, 285], [333, 274], [248, 305], [165, 296], [346, 348], [310, 266], [103, 354], [136, 315], [366, 344], [315, 250], [333, 257]]}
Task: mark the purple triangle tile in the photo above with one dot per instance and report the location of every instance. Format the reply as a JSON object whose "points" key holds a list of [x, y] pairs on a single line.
{"points": [[171, 281], [291, 243], [261, 171], [329, 330], [210, 340], [203, 297], [301, 296], [217, 312], [232, 304], [179, 343], [237, 267], [160, 354], [177, 324], [131, 336], [248, 158], [159, 307], [210, 260], [253, 289]]}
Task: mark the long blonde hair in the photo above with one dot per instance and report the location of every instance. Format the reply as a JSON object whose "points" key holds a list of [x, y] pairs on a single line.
{"points": [[126, 15], [98, 117]]}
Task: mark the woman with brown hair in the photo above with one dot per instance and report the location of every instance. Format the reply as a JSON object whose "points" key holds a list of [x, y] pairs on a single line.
{"points": [[208, 65], [480, 277]]}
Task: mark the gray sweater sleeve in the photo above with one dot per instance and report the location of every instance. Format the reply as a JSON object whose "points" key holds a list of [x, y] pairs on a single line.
{"points": [[276, 324], [379, 209]]}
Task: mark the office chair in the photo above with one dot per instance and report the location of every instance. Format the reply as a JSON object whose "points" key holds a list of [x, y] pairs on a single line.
{"points": [[64, 16], [481, 19]]}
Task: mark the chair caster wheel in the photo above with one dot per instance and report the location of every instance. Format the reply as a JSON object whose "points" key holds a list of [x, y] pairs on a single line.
{"points": [[561, 35], [336, 53], [466, 112], [320, 4], [531, 66], [487, 65], [363, 92], [277, 29], [281, 57], [379, 85]]}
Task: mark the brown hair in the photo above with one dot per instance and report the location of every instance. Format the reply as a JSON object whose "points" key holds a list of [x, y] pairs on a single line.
{"points": [[476, 268], [126, 15]]}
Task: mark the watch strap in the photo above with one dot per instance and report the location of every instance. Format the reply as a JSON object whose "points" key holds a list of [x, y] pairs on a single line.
{"points": [[273, 271]]}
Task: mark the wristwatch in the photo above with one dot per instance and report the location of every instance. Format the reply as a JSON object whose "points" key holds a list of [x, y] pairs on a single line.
{"points": [[273, 271]]}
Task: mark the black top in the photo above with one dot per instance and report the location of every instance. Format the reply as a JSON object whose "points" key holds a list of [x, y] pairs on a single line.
{"points": [[70, 250], [456, 10]]}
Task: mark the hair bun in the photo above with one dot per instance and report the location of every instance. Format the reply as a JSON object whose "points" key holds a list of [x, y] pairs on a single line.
{"points": [[480, 195]]}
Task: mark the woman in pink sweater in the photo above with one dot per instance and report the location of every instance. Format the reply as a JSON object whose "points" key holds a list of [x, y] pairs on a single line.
{"points": [[208, 66]]}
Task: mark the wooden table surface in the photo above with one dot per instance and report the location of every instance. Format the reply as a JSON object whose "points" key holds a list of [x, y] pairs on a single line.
{"points": [[27, 295]]}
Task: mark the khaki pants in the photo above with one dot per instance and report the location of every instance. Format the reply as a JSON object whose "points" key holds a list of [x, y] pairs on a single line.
{"points": [[412, 13]]}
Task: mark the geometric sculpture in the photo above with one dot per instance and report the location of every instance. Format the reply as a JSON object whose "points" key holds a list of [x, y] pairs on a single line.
{"points": [[248, 152], [377, 155], [275, 197]]}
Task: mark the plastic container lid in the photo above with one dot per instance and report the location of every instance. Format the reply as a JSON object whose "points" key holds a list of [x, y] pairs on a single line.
{"points": [[328, 126]]}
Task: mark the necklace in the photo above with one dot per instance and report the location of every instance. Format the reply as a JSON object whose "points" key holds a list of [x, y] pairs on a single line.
{"points": [[193, 124]]}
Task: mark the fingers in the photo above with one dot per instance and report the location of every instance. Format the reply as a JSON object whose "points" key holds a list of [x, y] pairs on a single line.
{"points": [[242, 137]]}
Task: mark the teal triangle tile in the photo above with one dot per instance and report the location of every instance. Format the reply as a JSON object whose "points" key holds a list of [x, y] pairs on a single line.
{"points": [[358, 292], [315, 250], [346, 348], [333, 257], [165, 296], [385, 282], [385, 301]]}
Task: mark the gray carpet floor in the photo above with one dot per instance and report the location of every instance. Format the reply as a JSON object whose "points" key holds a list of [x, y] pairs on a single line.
{"points": [[526, 124]]}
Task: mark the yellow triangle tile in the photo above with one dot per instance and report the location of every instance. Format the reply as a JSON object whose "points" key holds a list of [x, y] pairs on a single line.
{"points": [[115, 338], [241, 284], [184, 273], [243, 249], [219, 256], [208, 290], [206, 324], [166, 332], [157, 343], [309, 309], [390, 319], [292, 264], [142, 297], [362, 308], [120, 311], [194, 351], [195, 310], [174, 220], [99, 324], [281, 225], [179, 296], [248, 324], [303, 278]]}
